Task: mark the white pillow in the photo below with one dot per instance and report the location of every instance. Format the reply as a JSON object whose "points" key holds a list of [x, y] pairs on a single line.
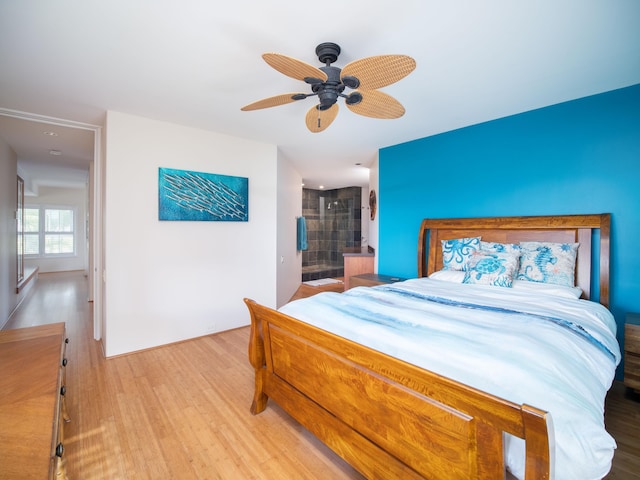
{"points": [[455, 276], [547, 289], [519, 285]]}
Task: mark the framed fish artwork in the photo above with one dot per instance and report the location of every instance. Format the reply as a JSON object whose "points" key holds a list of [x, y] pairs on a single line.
{"points": [[206, 197]]}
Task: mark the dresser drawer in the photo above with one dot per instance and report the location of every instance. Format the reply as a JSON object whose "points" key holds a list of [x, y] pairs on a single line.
{"points": [[632, 370], [632, 338]]}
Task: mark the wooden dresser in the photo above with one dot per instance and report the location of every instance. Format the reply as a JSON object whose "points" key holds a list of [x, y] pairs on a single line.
{"points": [[32, 406], [632, 351]]}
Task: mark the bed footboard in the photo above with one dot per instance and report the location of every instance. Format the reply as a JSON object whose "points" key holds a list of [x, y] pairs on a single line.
{"points": [[387, 418]]}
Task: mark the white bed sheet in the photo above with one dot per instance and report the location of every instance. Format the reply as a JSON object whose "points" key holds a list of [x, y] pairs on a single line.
{"points": [[563, 364]]}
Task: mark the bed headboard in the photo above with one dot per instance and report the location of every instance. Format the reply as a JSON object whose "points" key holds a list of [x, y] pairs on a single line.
{"points": [[551, 228]]}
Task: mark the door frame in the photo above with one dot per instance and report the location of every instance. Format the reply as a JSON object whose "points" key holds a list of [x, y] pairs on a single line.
{"points": [[96, 218]]}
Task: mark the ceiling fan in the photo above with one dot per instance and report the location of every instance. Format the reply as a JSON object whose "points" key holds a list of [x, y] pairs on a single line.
{"points": [[328, 83]]}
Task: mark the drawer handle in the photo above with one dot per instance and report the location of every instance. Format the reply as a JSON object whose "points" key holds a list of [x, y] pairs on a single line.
{"points": [[66, 340], [64, 362], [63, 390], [59, 450]]}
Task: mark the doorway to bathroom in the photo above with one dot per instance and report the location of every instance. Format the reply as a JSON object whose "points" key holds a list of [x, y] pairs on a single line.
{"points": [[334, 227]]}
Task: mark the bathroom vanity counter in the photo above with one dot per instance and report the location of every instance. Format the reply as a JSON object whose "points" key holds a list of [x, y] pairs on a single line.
{"points": [[357, 263]]}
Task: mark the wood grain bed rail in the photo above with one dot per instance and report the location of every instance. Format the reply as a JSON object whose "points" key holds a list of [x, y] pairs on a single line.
{"points": [[387, 418]]}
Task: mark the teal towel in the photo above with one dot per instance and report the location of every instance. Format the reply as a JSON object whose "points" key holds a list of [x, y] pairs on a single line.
{"points": [[302, 234]]}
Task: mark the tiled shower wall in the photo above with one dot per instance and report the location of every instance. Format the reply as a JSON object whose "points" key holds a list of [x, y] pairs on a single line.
{"points": [[334, 225]]}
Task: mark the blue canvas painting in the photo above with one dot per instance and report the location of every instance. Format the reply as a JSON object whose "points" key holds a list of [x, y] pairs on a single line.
{"points": [[207, 197]]}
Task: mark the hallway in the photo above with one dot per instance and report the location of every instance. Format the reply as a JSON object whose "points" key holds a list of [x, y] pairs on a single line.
{"points": [[56, 297]]}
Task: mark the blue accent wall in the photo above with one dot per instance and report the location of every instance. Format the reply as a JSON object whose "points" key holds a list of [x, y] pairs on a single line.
{"points": [[576, 157]]}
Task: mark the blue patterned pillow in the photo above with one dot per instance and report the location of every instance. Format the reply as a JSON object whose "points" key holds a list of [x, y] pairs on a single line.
{"points": [[456, 252], [492, 268], [500, 247], [548, 262]]}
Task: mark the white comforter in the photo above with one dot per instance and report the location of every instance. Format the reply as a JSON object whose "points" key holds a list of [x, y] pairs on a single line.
{"points": [[558, 354]]}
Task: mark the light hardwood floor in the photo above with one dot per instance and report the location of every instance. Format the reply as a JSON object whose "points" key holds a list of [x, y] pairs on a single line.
{"points": [[182, 411]]}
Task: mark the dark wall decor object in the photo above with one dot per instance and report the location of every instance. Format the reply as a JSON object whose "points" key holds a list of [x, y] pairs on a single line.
{"points": [[196, 196], [19, 231], [373, 204]]}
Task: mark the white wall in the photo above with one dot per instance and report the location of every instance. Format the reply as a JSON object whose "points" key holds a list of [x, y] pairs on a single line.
{"points": [[8, 236], [169, 281], [63, 197], [289, 260]]}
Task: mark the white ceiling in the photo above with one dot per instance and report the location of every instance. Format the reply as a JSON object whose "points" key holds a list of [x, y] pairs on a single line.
{"points": [[196, 62]]}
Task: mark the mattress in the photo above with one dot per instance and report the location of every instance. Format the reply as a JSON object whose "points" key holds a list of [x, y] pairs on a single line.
{"points": [[530, 344]]}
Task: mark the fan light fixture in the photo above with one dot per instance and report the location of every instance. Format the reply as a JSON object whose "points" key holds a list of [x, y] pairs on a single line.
{"points": [[328, 83]]}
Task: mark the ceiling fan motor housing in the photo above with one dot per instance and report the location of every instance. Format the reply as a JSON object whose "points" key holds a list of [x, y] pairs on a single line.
{"points": [[329, 91], [328, 52]]}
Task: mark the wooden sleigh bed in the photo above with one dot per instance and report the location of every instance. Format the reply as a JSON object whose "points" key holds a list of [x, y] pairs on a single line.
{"points": [[391, 419]]}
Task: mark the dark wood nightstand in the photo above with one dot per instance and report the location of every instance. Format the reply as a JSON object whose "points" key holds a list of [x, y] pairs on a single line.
{"points": [[632, 351], [372, 279]]}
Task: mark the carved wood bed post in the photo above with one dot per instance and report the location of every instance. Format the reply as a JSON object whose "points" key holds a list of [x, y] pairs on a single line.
{"points": [[538, 444], [605, 246], [257, 360]]}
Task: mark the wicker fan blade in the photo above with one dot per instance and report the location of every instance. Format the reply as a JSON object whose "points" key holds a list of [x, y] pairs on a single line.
{"points": [[271, 102], [293, 68], [377, 104], [318, 120], [379, 71]]}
